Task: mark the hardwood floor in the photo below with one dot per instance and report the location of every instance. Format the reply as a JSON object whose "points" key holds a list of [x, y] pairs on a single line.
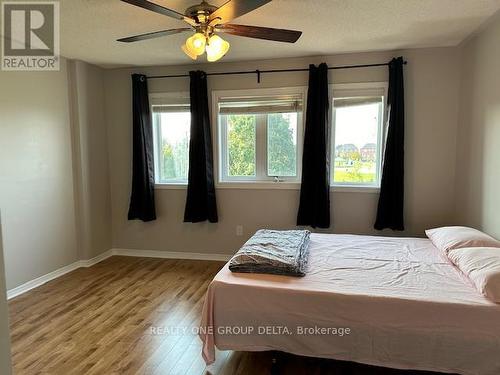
{"points": [[99, 320]]}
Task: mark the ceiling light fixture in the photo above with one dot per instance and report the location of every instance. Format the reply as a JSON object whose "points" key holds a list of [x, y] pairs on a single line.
{"points": [[207, 20], [213, 45]]}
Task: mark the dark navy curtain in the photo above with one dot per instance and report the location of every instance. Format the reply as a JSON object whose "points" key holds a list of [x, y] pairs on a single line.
{"points": [[142, 199], [391, 199], [314, 208], [201, 204]]}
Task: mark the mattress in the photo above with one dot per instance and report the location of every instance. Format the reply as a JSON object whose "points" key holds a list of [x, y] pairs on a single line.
{"points": [[394, 302]]}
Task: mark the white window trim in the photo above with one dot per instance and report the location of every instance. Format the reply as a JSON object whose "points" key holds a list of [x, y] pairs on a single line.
{"points": [[220, 142], [358, 89], [159, 99]]}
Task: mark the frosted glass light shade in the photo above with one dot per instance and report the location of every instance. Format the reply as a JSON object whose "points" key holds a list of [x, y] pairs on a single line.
{"points": [[216, 48], [188, 52], [195, 45]]}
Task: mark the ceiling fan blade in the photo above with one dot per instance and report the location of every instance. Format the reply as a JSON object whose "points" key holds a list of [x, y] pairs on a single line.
{"points": [[145, 4], [236, 8], [268, 33], [155, 34]]}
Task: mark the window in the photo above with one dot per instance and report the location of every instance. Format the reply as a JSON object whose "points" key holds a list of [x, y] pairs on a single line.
{"points": [[171, 129], [357, 134], [260, 136]]}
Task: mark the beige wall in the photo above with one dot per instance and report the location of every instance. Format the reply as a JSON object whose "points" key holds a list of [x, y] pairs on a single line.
{"points": [[36, 180], [478, 157], [432, 83], [90, 158], [5, 362], [54, 187]]}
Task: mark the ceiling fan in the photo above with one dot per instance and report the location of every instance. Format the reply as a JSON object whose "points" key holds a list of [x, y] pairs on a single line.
{"points": [[207, 20]]}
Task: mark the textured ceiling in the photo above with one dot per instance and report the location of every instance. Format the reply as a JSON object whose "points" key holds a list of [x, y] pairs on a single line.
{"points": [[89, 28]]}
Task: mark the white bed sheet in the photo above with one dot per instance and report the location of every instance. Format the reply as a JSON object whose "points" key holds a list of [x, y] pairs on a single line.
{"points": [[405, 306]]}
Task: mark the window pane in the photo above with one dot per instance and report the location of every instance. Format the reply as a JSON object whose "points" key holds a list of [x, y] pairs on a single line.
{"points": [[282, 144], [241, 145], [174, 150], [356, 138]]}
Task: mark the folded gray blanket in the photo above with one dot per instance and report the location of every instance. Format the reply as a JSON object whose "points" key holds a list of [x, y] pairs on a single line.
{"points": [[275, 252]]}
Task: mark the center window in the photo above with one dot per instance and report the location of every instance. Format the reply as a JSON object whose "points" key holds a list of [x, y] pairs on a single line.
{"points": [[171, 133], [357, 135], [260, 138]]}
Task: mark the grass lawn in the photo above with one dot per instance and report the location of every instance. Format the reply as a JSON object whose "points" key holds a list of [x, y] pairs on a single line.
{"points": [[343, 175]]}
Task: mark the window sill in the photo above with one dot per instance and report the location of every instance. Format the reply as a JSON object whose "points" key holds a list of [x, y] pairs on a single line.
{"points": [[273, 186], [355, 189], [258, 185], [171, 186], [237, 185]]}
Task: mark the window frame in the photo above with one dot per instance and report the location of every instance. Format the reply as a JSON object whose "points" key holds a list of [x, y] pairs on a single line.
{"points": [[357, 90], [173, 99], [261, 180]]}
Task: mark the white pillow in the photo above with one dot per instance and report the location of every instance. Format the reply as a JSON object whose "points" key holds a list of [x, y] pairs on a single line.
{"points": [[448, 238], [482, 266]]}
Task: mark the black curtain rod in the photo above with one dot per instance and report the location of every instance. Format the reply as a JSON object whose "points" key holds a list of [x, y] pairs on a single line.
{"points": [[259, 72]]}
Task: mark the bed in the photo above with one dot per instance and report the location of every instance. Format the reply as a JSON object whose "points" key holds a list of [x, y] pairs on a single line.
{"points": [[393, 302]]}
